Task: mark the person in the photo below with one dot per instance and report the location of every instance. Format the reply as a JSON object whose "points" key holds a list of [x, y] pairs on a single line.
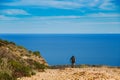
{"points": [[72, 60]]}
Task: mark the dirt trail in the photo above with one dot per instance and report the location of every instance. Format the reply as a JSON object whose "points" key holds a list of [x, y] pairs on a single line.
{"points": [[77, 74]]}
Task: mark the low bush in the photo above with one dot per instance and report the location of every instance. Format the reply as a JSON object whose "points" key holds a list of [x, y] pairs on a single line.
{"points": [[6, 76], [30, 51], [37, 53], [39, 66], [21, 47], [19, 69], [83, 66], [28, 55], [12, 43], [0, 60], [33, 73]]}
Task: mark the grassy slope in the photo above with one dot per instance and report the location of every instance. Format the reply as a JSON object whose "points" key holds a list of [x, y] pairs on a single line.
{"points": [[17, 61]]}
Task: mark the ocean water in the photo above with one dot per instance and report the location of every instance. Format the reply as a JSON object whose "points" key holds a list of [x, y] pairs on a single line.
{"points": [[97, 49]]}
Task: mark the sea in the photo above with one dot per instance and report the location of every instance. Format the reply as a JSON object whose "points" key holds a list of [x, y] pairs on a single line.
{"points": [[92, 49]]}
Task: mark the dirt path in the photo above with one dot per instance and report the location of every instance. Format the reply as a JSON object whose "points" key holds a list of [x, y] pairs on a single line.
{"points": [[77, 74]]}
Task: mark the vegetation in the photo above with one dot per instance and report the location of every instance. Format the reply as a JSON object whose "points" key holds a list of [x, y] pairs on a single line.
{"points": [[79, 66], [21, 47], [39, 66], [5, 42], [37, 53], [33, 73], [6, 76], [36, 65], [12, 43], [17, 61], [83, 66], [11, 70], [5, 70], [20, 69]]}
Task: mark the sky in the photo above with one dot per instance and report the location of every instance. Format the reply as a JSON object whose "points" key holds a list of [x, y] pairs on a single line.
{"points": [[60, 16]]}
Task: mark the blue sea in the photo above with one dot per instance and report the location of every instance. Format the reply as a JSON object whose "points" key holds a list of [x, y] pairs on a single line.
{"points": [[97, 49]]}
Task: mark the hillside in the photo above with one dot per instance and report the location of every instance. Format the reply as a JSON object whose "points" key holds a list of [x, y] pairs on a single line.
{"points": [[16, 61]]}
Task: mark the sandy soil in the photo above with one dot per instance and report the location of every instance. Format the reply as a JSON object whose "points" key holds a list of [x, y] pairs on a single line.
{"points": [[103, 73]]}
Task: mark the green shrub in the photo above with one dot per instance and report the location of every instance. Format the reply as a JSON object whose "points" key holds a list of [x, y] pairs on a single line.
{"points": [[20, 70], [84, 66], [6, 42], [12, 43], [30, 51], [37, 53], [39, 66], [21, 54], [33, 73], [28, 55], [3, 42], [6, 76], [21, 47], [0, 60]]}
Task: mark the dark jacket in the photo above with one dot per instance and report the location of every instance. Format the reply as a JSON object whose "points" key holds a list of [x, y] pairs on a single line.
{"points": [[72, 59]]}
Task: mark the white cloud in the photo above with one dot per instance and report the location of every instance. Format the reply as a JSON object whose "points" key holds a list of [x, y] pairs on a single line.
{"points": [[62, 17], [46, 3], [2, 17], [61, 4], [104, 15], [14, 12], [56, 17], [107, 5], [65, 4], [71, 17]]}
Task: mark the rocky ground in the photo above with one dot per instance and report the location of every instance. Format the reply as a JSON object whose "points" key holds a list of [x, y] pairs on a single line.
{"points": [[90, 73]]}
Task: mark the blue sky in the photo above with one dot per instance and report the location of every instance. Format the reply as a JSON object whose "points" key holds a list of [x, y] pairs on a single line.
{"points": [[60, 16]]}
